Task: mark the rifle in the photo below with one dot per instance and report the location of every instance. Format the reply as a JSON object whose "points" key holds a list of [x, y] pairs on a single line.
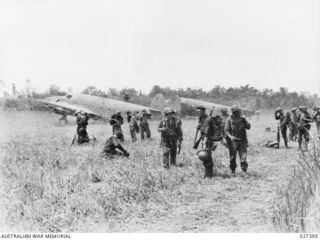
{"points": [[196, 144], [179, 147]]}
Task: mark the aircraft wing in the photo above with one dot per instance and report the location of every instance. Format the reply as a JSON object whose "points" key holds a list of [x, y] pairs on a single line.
{"points": [[63, 108]]}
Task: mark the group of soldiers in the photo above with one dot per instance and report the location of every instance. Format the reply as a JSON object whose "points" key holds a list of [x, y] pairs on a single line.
{"points": [[213, 128], [299, 124]]}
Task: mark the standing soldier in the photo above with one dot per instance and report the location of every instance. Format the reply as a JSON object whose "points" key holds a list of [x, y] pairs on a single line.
{"points": [[82, 122], [316, 118], [304, 125], [224, 117], [116, 121], [205, 127], [112, 146], [293, 125], [283, 122], [235, 130], [144, 125], [133, 126], [171, 137]]}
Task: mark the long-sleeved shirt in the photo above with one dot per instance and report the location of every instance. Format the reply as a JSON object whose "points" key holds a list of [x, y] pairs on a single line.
{"points": [[237, 127]]}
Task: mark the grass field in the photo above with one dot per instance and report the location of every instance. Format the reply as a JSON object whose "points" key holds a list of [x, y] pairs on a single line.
{"points": [[49, 186]]}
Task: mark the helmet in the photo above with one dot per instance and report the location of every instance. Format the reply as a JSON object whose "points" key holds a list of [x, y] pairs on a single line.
{"points": [[118, 112], [294, 109], [201, 107], [224, 110], [169, 110], [278, 109], [203, 155], [235, 108], [301, 108]]}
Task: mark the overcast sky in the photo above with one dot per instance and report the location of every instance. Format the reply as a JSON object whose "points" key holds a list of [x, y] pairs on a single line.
{"points": [[176, 43]]}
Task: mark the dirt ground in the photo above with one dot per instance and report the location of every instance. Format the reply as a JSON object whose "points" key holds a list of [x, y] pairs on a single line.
{"points": [[241, 203]]}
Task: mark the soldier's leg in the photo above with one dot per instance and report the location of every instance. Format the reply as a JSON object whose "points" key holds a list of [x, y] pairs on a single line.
{"points": [[291, 131], [233, 156], [148, 131], [165, 156], [300, 137], [284, 135], [243, 156], [142, 132], [173, 155], [208, 167]]}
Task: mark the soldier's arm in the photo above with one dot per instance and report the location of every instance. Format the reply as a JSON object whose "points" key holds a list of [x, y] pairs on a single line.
{"points": [[228, 129], [125, 152], [246, 123], [161, 128]]}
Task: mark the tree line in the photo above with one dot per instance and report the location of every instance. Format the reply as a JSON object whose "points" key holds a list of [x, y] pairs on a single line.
{"points": [[248, 96]]}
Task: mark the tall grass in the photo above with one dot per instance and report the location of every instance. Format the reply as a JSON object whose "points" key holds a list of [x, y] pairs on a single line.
{"points": [[53, 187], [297, 208]]}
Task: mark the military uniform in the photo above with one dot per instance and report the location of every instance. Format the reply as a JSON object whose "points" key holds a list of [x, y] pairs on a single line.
{"points": [[284, 121], [316, 118], [133, 127], [171, 136], [112, 146], [116, 121], [144, 125], [224, 117], [82, 122], [293, 125], [235, 129], [206, 129], [304, 125]]}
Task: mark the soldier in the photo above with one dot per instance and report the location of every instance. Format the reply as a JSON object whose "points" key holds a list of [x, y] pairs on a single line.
{"points": [[144, 125], [205, 127], [112, 146], [235, 130], [316, 118], [82, 122], [171, 137], [133, 126], [293, 125], [224, 117], [284, 121], [304, 125], [116, 121]]}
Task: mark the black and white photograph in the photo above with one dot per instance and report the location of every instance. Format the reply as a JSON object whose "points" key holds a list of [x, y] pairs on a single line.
{"points": [[159, 116]]}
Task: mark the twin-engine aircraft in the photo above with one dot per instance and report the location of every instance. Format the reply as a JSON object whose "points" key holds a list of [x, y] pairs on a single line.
{"points": [[96, 107]]}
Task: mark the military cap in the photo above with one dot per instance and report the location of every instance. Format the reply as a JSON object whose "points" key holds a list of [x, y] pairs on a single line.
{"points": [[169, 110], [201, 107]]}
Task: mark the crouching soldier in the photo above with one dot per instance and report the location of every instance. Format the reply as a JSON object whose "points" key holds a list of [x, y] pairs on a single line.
{"points": [[235, 130], [113, 147], [82, 123], [116, 121], [171, 137]]}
